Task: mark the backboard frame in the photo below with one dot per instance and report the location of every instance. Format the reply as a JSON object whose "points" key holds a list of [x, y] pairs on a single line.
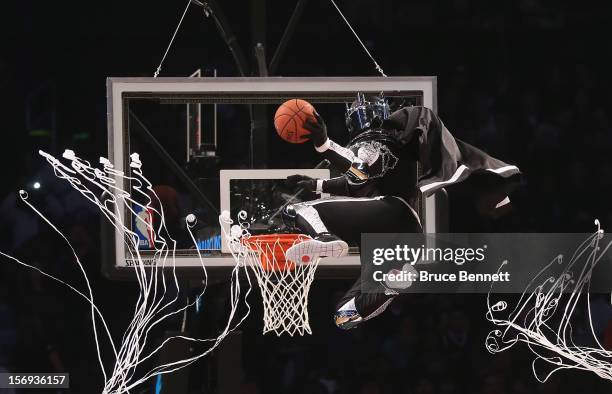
{"points": [[118, 88]]}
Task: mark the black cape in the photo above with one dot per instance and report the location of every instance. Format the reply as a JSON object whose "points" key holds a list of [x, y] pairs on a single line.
{"points": [[447, 161]]}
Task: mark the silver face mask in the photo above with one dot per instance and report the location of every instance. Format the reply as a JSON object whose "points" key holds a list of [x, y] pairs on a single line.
{"points": [[364, 114]]}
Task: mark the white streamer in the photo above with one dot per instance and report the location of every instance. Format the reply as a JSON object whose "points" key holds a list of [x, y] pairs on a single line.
{"points": [[542, 317], [152, 306]]}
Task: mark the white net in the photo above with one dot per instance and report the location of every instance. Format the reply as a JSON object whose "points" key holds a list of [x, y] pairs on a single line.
{"points": [[284, 284]]}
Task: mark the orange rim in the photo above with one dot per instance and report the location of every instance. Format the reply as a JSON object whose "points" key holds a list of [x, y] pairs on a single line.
{"points": [[272, 249]]}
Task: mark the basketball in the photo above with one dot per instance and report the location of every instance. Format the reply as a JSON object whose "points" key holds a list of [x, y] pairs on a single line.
{"points": [[289, 120]]}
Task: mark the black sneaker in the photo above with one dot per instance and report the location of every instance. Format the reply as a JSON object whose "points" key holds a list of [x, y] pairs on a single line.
{"points": [[347, 319]]}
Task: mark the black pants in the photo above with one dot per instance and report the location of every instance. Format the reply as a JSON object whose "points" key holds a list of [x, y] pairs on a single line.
{"points": [[348, 218]]}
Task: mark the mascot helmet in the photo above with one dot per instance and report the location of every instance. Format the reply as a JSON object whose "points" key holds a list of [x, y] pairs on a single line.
{"points": [[364, 114]]}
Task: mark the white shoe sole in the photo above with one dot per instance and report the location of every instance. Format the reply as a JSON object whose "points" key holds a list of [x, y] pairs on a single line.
{"points": [[308, 251]]}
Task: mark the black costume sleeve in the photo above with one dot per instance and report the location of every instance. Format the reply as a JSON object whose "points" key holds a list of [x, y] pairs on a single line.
{"points": [[336, 186], [446, 160]]}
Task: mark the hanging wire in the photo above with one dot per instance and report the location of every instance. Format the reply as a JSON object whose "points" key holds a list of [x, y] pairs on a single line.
{"points": [[378, 68], [172, 40], [158, 70]]}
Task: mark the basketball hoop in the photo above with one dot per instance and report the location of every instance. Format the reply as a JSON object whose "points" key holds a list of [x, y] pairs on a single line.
{"points": [[284, 284]]}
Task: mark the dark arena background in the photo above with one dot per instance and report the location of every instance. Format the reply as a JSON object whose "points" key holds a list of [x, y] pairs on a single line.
{"points": [[527, 81]]}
